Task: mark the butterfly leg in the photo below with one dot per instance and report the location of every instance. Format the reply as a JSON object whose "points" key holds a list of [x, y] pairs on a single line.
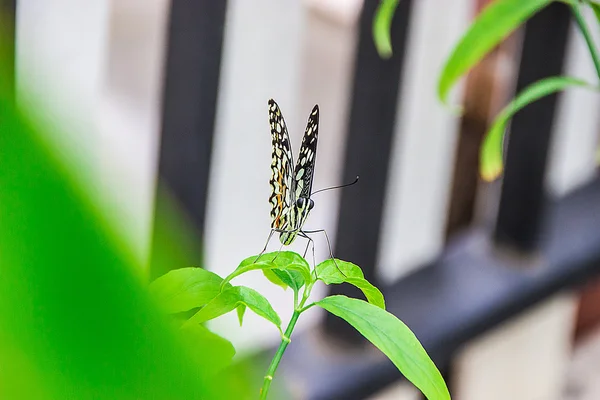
{"points": [[328, 245], [266, 244], [273, 230], [310, 241]]}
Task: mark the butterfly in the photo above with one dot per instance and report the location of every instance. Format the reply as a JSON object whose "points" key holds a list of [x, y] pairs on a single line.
{"points": [[291, 189], [291, 185]]}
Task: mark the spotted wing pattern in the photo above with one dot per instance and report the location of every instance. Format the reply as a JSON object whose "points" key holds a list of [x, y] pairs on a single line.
{"points": [[282, 195], [304, 171]]}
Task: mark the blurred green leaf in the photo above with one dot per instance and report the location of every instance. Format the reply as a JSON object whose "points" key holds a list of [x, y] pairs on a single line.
{"points": [[231, 298], [491, 152], [382, 23], [76, 318], [329, 273], [494, 24], [186, 288], [394, 339]]}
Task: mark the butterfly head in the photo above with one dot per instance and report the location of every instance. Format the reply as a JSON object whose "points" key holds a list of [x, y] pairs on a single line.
{"points": [[304, 203], [303, 207]]}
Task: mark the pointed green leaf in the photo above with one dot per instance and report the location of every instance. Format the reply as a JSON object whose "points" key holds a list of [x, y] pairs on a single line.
{"points": [[329, 273], [394, 339], [231, 298], [382, 23], [186, 288], [493, 25], [241, 310], [491, 151]]}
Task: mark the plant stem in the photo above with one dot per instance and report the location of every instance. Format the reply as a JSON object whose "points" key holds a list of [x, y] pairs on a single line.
{"points": [[285, 340], [295, 299], [587, 36]]}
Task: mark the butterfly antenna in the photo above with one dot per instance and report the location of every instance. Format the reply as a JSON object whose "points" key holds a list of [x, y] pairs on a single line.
{"points": [[336, 187]]}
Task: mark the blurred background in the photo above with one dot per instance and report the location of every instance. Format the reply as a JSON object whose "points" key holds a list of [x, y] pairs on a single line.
{"points": [[497, 279]]}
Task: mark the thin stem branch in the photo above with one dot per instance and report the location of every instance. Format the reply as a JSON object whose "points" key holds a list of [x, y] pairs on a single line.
{"points": [[307, 307], [285, 340], [575, 9]]}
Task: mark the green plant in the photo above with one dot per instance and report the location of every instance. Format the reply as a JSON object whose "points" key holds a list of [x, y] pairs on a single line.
{"points": [[491, 26], [193, 288]]}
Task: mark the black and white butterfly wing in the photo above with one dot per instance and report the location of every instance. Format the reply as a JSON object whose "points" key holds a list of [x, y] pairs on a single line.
{"points": [[282, 196], [305, 166]]}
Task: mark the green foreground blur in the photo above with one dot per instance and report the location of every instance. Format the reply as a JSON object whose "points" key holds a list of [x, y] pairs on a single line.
{"points": [[76, 319]]}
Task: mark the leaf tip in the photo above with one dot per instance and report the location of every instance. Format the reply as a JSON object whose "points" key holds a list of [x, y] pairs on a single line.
{"points": [[491, 161], [382, 23], [491, 174], [383, 42]]}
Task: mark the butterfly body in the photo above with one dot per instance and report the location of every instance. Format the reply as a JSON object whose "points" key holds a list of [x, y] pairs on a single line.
{"points": [[291, 188]]}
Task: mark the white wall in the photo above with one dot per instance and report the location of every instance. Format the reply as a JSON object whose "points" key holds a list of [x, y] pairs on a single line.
{"points": [[93, 69], [60, 50], [129, 114], [422, 154], [575, 135]]}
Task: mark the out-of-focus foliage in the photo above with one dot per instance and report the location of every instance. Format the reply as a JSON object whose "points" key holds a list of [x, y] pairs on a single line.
{"points": [[499, 19], [76, 318], [381, 27], [491, 26], [491, 154]]}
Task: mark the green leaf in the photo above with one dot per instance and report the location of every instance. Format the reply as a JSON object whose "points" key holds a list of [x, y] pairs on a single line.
{"points": [[382, 23], [273, 278], [241, 310], [329, 273], [231, 298], [196, 338], [492, 25], [491, 152], [394, 339], [287, 277], [282, 260], [186, 288]]}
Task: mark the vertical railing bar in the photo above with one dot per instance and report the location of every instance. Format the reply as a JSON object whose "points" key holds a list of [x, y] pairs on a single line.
{"points": [[523, 192], [371, 125], [193, 64]]}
